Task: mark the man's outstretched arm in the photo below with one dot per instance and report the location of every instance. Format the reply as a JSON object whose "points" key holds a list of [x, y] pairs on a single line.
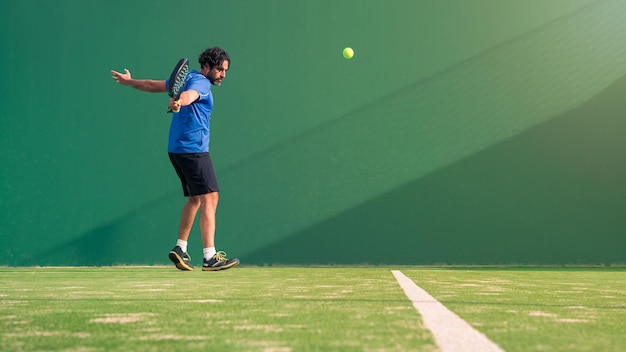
{"points": [[147, 85]]}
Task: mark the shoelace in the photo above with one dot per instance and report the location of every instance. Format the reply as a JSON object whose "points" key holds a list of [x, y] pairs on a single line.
{"points": [[220, 256]]}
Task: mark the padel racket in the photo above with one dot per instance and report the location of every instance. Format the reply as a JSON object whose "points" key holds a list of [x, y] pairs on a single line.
{"points": [[177, 79]]}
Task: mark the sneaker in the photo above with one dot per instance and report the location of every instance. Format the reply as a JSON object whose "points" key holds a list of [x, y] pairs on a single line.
{"points": [[181, 259], [219, 262]]}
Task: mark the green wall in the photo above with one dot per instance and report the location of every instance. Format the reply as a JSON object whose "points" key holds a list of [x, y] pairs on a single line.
{"points": [[462, 132]]}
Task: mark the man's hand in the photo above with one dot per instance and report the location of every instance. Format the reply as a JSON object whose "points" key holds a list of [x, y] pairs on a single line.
{"points": [[122, 78], [174, 105]]}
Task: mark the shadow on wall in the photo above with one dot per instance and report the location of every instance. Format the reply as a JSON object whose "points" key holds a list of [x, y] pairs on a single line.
{"points": [[554, 194]]}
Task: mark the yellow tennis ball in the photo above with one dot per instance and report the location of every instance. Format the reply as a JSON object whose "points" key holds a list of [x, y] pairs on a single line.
{"points": [[348, 53]]}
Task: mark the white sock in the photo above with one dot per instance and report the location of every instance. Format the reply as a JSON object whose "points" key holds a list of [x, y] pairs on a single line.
{"points": [[182, 244], [209, 252]]}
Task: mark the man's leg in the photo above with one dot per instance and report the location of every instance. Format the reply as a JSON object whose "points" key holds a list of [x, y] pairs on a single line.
{"points": [[188, 216], [213, 260], [179, 255]]}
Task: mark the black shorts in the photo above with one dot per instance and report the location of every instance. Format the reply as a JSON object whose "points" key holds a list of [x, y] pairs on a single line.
{"points": [[196, 173]]}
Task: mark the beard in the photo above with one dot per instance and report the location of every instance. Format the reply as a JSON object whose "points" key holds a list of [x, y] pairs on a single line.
{"points": [[214, 81]]}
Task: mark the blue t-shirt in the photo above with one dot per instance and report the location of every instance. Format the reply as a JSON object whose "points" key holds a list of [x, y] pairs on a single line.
{"points": [[190, 127]]}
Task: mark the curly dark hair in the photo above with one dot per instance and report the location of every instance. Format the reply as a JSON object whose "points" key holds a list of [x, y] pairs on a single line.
{"points": [[213, 57]]}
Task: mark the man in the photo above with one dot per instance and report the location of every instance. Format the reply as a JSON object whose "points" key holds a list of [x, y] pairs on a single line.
{"points": [[188, 149]]}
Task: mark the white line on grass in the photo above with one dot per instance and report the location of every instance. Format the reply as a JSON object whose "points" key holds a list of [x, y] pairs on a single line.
{"points": [[451, 333]]}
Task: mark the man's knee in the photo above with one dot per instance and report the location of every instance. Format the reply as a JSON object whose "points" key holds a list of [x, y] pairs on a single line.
{"points": [[194, 200]]}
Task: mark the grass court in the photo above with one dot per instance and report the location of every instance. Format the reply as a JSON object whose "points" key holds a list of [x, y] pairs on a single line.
{"points": [[305, 308]]}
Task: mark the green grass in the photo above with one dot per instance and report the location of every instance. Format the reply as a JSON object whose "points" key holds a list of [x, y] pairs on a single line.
{"points": [[304, 309]]}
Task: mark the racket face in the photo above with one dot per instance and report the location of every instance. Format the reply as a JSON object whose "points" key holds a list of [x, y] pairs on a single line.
{"points": [[177, 78]]}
